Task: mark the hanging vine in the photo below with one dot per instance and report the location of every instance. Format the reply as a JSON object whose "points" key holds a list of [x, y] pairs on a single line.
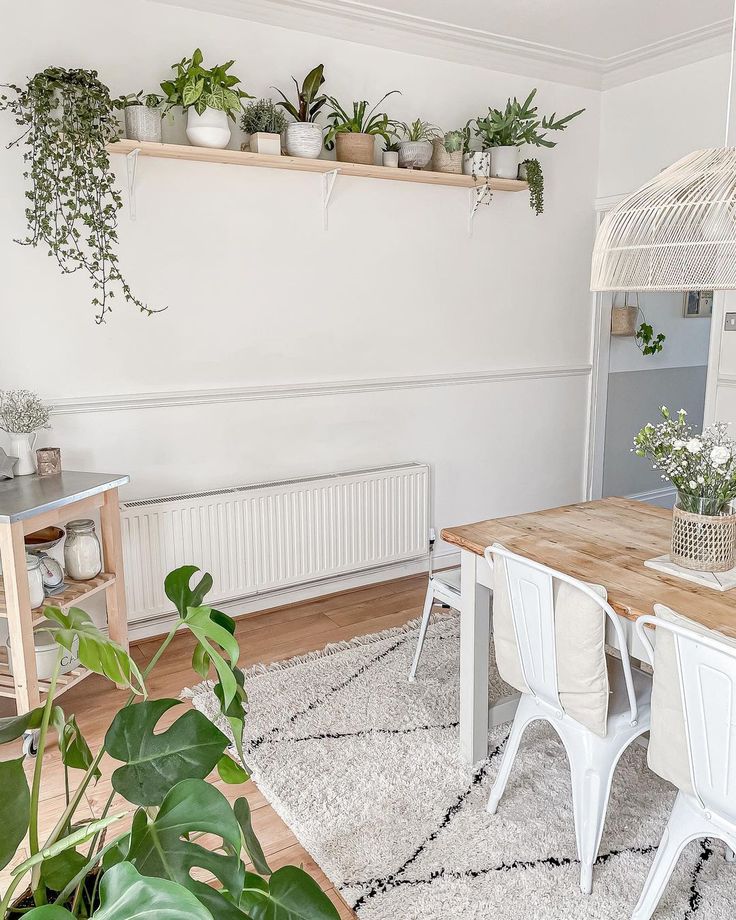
{"points": [[67, 117]]}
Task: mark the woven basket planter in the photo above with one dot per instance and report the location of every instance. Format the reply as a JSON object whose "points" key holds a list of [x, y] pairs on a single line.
{"points": [[703, 542], [623, 320]]}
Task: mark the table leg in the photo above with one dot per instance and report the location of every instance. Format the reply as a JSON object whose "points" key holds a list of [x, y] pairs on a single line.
{"points": [[475, 633], [112, 551], [20, 625]]}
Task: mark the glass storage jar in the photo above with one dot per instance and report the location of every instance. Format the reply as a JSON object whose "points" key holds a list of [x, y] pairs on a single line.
{"points": [[82, 553], [35, 580]]}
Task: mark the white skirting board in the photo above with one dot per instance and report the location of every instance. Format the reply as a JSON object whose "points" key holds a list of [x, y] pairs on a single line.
{"points": [[718, 581]]}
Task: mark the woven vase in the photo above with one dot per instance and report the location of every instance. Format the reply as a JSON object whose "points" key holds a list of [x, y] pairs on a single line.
{"points": [[623, 320], [703, 542], [355, 148]]}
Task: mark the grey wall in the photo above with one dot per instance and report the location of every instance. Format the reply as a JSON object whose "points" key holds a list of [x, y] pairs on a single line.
{"points": [[634, 398]]}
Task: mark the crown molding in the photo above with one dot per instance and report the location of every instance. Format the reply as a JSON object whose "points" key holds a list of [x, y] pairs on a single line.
{"points": [[172, 398], [372, 24]]}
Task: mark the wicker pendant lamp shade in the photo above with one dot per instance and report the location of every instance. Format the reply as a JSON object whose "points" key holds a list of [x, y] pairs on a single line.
{"points": [[676, 233]]}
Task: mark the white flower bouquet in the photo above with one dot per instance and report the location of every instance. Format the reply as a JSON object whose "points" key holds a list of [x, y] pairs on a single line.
{"points": [[22, 412], [702, 467]]}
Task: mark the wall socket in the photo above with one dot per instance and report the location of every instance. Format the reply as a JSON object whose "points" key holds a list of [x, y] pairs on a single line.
{"points": [[730, 323]]}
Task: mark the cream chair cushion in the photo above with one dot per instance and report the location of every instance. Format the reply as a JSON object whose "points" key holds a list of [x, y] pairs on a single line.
{"points": [[580, 632], [668, 755]]}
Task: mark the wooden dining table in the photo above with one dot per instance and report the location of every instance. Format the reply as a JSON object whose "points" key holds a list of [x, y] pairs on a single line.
{"points": [[605, 542]]}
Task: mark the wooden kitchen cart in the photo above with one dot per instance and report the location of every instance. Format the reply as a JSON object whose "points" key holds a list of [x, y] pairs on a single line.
{"points": [[28, 504]]}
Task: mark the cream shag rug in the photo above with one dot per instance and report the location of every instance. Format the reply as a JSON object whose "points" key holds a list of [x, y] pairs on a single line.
{"points": [[364, 767]]}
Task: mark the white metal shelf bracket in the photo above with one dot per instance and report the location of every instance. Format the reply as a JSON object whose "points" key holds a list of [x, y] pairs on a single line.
{"points": [[479, 195], [131, 165], [328, 183]]}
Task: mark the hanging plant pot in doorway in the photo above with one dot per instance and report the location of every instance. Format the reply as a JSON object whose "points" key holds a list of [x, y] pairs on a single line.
{"points": [[623, 320], [210, 129]]}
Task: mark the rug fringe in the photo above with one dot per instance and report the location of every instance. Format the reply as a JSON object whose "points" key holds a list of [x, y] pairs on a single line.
{"points": [[332, 648]]}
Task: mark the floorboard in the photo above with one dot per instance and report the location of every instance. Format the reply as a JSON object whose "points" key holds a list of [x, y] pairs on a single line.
{"points": [[273, 635]]}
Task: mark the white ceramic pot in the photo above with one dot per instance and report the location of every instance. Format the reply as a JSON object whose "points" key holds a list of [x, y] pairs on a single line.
{"points": [[505, 162], [46, 650], [21, 446], [415, 154], [477, 163], [265, 142], [304, 139], [390, 158], [143, 123], [210, 129]]}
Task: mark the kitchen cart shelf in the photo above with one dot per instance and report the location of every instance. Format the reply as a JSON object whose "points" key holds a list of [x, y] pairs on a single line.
{"points": [[303, 164], [63, 683], [74, 593]]}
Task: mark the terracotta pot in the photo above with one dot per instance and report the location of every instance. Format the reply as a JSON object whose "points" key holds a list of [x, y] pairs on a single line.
{"points": [[356, 148]]}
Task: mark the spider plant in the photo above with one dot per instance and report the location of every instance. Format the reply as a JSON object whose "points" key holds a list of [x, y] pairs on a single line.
{"points": [[419, 131], [361, 121]]}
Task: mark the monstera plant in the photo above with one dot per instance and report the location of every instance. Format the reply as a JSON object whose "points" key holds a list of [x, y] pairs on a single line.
{"points": [[84, 868]]}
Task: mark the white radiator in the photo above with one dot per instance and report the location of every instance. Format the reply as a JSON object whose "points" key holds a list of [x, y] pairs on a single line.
{"points": [[262, 537]]}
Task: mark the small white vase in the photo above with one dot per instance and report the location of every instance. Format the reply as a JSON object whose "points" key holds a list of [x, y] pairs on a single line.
{"points": [[210, 129], [174, 127], [390, 158], [505, 162], [265, 142], [304, 139], [21, 446], [477, 163]]}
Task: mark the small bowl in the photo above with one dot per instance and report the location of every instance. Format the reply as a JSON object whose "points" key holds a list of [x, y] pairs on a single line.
{"points": [[43, 540]]}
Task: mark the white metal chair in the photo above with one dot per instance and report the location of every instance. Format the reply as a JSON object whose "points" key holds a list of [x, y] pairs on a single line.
{"points": [[443, 588], [707, 672], [592, 758]]}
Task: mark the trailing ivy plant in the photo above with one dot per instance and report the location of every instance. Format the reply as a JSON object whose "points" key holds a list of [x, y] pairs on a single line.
{"points": [[535, 180], [85, 869], [647, 342], [66, 119]]}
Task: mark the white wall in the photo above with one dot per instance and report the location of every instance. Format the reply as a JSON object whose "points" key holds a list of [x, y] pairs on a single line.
{"points": [[258, 295]]}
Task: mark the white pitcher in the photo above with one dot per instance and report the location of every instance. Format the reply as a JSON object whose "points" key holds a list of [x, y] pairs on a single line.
{"points": [[21, 446]]}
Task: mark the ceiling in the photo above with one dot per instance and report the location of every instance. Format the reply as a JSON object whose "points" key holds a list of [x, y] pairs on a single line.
{"points": [[596, 43]]}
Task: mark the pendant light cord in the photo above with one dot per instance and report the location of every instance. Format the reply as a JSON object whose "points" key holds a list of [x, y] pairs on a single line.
{"points": [[730, 77]]}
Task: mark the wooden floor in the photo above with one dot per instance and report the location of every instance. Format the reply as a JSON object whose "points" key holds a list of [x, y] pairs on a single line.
{"points": [[264, 637]]}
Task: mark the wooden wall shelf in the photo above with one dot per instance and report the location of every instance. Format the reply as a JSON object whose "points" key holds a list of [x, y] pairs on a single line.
{"points": [[242, 158]]}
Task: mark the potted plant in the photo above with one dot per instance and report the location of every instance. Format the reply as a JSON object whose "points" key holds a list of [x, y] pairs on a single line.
{"points": [[447, 154], [647, 342], [354, 135], [67, 118], [505, 131], [90, 869], [530, 171], [209, 97], [703, 470], [415, 151], [142, 116], [304, 135], [390, 155], [265, 124], [22, 414]]}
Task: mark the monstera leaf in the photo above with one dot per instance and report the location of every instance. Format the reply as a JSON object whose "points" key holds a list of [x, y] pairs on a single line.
{"points": [[209, 633], [126, 895], [96, 652], [241, 810], [75, 752], [176, 586], [13, 727], [158, 847], [15, 804], [157, 761], [291, 894]]}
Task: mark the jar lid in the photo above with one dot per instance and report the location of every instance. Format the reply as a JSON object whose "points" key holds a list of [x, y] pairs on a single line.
{"points": [[32, 562], [80, 526]]}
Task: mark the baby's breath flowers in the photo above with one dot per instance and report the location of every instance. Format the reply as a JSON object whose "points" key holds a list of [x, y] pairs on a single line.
{"points": [[702, 467], [22, 412]]}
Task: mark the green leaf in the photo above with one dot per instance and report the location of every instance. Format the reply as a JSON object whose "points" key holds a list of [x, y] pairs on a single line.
{"points": [[206, 630], [48, 912], [59, 870], [13, 727], [15, 803], [241, 809], [312, 82], [96, 651], [180, 594], [230, 771], [81, 835], [156, 761], [192, 91], [159, 847], [235, 711], [75, 752], [127, 895], [201, 660], [292, 895]]}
